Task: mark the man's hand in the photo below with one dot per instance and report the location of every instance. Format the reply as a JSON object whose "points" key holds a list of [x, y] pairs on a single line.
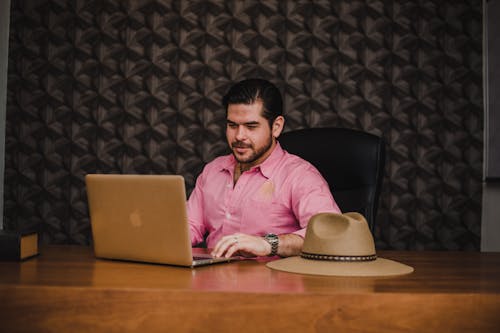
{"points": [[255, 246], [243, 245]]}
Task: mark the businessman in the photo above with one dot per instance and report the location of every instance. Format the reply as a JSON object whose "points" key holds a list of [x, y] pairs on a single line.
{"points": [[256, 201]]}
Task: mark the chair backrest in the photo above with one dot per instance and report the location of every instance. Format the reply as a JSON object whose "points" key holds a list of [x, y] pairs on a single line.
{"points": [[351, 161]]}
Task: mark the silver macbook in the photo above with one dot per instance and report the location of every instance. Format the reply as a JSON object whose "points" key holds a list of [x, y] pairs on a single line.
{"points": [[142, 218]]}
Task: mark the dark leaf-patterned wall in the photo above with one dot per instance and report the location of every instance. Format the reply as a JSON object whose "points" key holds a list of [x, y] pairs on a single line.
{"points": [[135, 87]]}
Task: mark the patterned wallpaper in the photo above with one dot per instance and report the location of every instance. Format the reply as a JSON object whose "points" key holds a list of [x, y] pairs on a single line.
{"points": [[135, 87]]}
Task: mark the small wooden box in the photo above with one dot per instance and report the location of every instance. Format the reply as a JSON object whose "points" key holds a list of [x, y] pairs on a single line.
{"points": [[16, 245]]}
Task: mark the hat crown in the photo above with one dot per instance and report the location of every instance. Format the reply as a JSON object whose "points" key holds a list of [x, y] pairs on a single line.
{"points": [[339, 235]]}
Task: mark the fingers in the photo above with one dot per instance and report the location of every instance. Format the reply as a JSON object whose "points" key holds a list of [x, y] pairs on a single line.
{"points": [[232, 249], [245, 245], [227, 246]]}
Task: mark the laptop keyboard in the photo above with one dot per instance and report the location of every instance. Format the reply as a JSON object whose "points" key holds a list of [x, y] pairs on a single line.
{"points": [[201, 258]]}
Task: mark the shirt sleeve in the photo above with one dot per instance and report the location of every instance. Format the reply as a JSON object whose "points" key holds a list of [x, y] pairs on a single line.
{"points": [[310, 195], [195, 211]]}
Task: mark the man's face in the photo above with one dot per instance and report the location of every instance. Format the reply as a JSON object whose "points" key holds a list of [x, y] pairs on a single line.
{"points": [[248, 133]]}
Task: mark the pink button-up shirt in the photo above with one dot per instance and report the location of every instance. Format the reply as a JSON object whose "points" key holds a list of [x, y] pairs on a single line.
{"points": [[278, 196]]}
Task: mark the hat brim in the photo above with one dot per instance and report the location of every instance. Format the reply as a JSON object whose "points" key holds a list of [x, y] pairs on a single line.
{"points": [[379, 267]]}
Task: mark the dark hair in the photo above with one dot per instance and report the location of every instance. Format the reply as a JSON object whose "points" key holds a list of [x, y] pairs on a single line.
{"points": [[250, 90]]}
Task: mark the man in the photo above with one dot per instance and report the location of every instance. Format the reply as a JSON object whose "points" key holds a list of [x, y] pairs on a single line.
{"points": [[256, 201]]}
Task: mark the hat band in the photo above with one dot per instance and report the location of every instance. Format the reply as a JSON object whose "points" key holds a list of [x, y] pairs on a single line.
{"points": [[328, 257]]}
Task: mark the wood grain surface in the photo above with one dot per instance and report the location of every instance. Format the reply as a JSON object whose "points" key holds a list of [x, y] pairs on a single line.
{"points": [[67, 289]]}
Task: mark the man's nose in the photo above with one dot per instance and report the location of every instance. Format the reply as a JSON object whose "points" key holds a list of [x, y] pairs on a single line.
{"points": [[240, 133]]}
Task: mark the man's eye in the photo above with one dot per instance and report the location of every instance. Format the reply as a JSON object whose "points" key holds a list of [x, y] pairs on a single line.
{"points": [[231, 125], [252, 126]]}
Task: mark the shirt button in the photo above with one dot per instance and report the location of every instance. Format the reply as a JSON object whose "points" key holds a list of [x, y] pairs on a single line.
{"points": [[228, 215]]}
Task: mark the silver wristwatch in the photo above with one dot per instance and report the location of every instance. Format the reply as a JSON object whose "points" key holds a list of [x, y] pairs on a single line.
{"points": [[273, 240]]}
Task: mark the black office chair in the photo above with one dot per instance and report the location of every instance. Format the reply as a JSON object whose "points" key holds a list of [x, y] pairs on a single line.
{"points": [[352, 162]]}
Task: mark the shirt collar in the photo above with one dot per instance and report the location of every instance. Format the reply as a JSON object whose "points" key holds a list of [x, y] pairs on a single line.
{"points": [[265, 167]]}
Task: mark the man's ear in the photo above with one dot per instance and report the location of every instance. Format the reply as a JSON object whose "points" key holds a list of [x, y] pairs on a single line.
{"points": [[278, 125]]}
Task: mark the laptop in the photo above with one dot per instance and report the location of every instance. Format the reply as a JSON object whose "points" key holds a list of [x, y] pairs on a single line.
{"points": [[142, 218]]}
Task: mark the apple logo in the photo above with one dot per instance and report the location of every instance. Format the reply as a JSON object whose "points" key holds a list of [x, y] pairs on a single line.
{"points": [[135, 219]]}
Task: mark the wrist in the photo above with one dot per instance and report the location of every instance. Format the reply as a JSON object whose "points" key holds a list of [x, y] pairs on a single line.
{"points": [[273, 242]]}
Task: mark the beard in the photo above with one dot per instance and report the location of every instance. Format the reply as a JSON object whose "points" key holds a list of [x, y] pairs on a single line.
{"points": [[256, 153]]}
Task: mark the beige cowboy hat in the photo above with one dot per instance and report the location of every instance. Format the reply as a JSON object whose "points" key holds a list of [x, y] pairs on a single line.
{"points": [[339, 245]]}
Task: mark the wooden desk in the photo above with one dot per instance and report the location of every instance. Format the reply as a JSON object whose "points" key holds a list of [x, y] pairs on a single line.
{"points": [[66, 290]]}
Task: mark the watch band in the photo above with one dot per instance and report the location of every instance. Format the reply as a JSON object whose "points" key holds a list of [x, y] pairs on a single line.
{"points": [[273, 240]]}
